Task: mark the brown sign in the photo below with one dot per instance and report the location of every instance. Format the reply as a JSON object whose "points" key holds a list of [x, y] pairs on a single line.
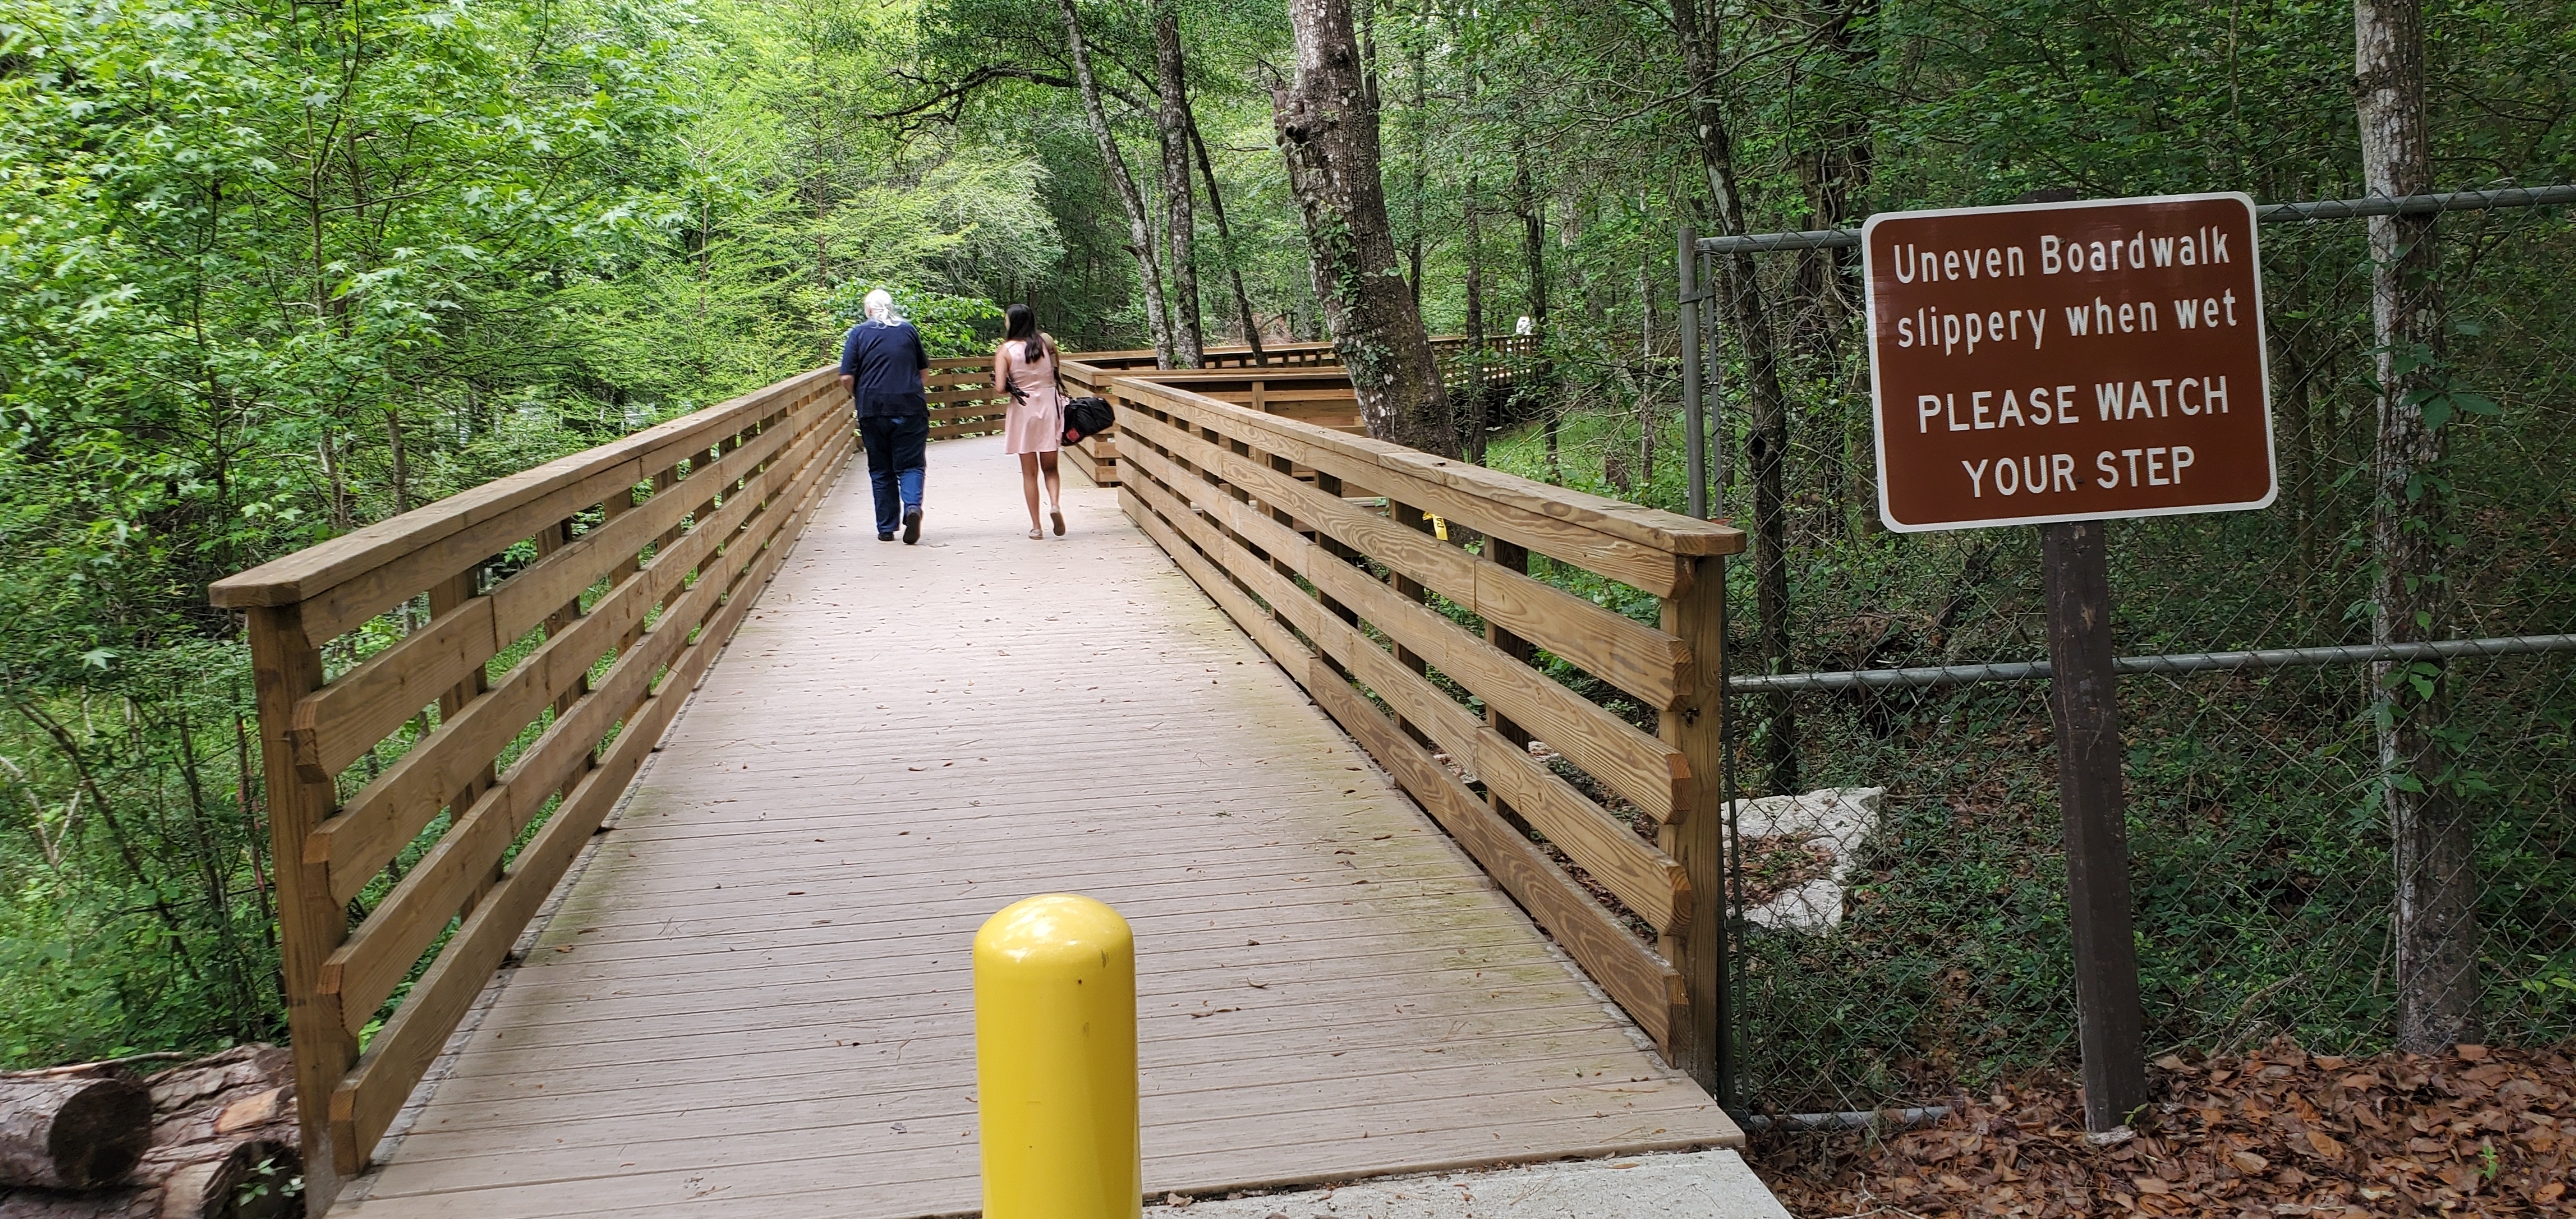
{"points": [[2068, 361]]}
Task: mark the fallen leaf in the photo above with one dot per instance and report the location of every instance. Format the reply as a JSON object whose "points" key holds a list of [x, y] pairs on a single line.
{"points": [[2412, 1130]]}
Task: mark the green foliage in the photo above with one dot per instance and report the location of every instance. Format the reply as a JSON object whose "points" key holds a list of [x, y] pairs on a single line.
{"points": [[949, 325], [271, 272]]}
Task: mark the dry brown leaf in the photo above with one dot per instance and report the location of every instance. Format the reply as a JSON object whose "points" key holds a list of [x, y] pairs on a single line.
{"points": [[2247, 1162], [2325, 1144]]}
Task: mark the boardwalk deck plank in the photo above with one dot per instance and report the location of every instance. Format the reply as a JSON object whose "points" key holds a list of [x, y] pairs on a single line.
{"points": [[1328, 987]]}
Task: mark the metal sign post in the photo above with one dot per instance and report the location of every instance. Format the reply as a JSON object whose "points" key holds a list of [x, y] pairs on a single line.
{"points": [[2060, 363]]}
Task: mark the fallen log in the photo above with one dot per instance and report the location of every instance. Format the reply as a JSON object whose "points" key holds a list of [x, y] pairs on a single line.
{"points": [[72, 1131], [223, 1146]]}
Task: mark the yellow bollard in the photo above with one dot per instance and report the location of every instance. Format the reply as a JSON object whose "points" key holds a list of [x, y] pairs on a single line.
{"points": [[1055, 1061]]}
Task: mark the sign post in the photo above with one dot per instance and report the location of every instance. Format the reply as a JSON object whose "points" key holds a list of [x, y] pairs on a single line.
{"points": [[2062, 364]]}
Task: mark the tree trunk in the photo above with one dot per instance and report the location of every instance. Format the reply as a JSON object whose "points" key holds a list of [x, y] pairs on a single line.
{"points": [[400, 458], [1533, 206], [1767, 444], [1329, 137], [1471, 210], [1140, 228], [2436, 921], [1180, 216], [72, 1131], [1849, 166], [1419, 119], [1472, 362], [1225, 235]]}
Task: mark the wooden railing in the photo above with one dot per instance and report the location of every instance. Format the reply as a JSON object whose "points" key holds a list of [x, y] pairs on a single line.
{"points": [[1235, 355], [961, 397], [1300, 380], [1325, 548], [406, 780], [1504, 360], [1506, 355], [1317, 393]]}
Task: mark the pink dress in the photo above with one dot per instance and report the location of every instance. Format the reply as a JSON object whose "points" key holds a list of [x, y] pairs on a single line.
{"points": [[1035, 421]]}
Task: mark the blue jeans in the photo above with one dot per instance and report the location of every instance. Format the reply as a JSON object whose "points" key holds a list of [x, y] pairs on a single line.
{"points": [[895, 445]]}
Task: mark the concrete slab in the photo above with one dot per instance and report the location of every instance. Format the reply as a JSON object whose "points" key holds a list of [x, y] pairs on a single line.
{"points": [[1680, 1185]]}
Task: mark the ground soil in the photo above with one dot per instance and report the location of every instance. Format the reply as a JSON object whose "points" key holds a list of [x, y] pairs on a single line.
{"points": [[2480, 1131]]}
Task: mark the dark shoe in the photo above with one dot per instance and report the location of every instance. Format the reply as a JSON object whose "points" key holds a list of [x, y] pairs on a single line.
{"points": [[885, 537], [1057, 514], [911, 526]]}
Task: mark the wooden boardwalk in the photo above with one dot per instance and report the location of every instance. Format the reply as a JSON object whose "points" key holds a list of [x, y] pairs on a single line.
{"points": [[756, 1001]]}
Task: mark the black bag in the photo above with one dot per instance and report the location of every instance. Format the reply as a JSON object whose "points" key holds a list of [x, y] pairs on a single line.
{"points": [[1087, 416]]}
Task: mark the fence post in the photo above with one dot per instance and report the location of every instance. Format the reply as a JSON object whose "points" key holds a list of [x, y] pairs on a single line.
{"points": [[1694, 430], [1055, 1061], [1703, 1044], [285, 666]]}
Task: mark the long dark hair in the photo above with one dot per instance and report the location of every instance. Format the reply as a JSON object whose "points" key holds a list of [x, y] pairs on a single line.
{"points": [[1020, 324]]}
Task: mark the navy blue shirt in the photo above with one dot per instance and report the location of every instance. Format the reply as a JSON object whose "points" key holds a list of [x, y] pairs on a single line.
{"points": [[886, 360]]}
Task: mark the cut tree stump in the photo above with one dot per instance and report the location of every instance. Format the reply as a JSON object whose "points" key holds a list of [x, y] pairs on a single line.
{"points": [[72, 1131], [222, 1145]]}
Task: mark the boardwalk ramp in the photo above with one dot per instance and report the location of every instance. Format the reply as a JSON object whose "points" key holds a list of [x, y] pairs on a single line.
{"points": [[752, 995]]}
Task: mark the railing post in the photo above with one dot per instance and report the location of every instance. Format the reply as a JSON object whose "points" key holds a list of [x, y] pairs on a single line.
{"points": [[1411, 518], [285, 667], [1703, 1046]]}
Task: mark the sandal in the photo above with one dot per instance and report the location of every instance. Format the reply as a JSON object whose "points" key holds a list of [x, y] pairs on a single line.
{"points": [[1057, 515], [1037, 535]]}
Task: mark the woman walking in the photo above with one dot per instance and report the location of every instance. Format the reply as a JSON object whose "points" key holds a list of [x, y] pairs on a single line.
{"points": [[1024, 369]]}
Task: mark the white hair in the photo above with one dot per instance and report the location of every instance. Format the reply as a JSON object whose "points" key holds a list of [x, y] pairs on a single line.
{"points": [[880, 306]]}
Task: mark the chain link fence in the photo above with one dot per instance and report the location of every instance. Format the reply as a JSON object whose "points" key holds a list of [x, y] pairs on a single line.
{"points": [[1897, 945]]}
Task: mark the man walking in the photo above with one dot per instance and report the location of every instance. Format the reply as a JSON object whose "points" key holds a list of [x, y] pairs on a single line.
{"points": [[881, 365]]}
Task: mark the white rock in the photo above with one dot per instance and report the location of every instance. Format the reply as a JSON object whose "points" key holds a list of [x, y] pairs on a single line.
{"points": [[1838, 819], [1813, 908]]}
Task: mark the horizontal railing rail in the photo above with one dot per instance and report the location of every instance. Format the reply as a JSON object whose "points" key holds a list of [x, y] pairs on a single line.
{"points": [[1505, 355], [1301, 380], [2170, 663], [962, 401], [1432, 650], [425, 799]]}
